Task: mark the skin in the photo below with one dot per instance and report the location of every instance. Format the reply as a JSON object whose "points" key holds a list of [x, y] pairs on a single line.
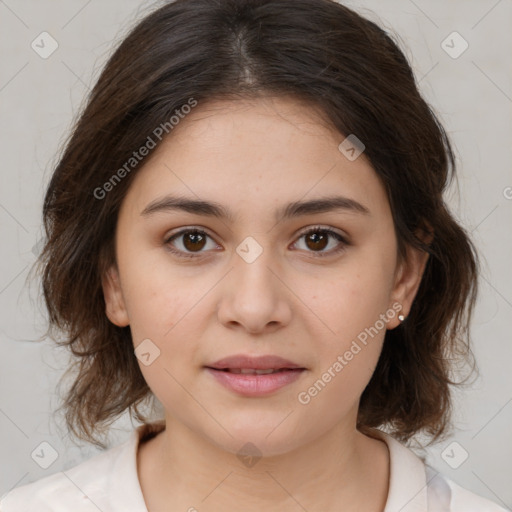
{"points": [[254, 157]]}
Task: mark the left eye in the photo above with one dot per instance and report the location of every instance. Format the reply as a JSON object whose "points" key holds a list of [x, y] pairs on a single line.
{"points": [[192, 242], [317, 238]]}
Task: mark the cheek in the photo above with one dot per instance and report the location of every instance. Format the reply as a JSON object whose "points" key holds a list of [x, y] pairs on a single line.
{"points": [[158, 295], [170, 321], [353, 307], [346, 359], [351, 299], [167, 307], [334, 392]]}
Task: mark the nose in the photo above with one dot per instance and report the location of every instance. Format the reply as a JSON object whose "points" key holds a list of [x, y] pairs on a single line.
{"points": [[254, 297]]}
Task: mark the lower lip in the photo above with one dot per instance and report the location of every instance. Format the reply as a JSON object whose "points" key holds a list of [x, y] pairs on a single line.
{"points": [[255, 385]]}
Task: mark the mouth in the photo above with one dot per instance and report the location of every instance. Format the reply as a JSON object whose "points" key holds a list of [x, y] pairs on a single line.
{"points": [[255, 376]]}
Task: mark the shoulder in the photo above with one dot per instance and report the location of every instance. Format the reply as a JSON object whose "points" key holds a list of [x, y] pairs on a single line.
{"points": [[416, 486], [445, 494], [83, 488], [52, 493]]}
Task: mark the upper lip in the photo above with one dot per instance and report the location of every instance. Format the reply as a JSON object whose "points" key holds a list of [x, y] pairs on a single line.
{"points": [[246, 362]]}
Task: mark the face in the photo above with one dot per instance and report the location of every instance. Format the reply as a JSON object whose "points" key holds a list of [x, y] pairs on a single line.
{"points": [[248, 275]]}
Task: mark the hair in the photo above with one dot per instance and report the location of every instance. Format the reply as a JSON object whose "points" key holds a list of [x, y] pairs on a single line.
{"points": [[316, 51]]}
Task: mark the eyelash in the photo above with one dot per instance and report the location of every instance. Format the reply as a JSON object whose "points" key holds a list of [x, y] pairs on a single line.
{"points": [[314, 229]]}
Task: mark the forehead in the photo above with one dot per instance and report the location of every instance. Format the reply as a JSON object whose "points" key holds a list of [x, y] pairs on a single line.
{"points": [[253, 156]]}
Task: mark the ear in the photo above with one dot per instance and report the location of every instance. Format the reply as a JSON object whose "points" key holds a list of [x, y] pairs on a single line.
{"points": [[408, 278], [115, 307]]}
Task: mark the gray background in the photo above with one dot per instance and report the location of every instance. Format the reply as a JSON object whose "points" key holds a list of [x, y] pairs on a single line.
{"points": [[472, 94]]}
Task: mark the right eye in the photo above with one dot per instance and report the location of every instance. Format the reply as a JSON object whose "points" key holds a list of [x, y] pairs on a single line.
{"points": [[192, 241]]}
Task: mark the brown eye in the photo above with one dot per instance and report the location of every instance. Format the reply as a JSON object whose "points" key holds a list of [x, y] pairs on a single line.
{"points": [[317, 239], [189, 243], [194, 241]]}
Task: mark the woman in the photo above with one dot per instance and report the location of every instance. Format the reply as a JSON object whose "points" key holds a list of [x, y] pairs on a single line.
{"points": [[248, 225]]}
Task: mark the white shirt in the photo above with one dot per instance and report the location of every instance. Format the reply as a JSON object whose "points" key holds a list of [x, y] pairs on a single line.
{"points": [[108, 482]]}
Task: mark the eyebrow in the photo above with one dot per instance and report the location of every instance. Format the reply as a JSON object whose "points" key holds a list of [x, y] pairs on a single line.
{"points": [[294, 209]]}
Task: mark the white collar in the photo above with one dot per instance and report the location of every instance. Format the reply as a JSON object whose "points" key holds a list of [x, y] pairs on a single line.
{"points": [[109, 481], [407, 477]]}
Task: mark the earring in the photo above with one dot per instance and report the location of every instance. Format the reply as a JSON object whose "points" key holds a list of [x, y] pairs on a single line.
{"points": [[401, 317]]}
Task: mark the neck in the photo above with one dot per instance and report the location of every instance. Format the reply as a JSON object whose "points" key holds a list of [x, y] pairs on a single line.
{"points": [[183, 470]]}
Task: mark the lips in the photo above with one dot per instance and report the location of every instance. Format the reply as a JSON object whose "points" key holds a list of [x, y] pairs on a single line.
{"points": [[256, 365], [255, 376]]}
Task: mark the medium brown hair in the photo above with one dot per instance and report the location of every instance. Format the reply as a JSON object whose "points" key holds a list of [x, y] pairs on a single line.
{"points": [[317, 51]]}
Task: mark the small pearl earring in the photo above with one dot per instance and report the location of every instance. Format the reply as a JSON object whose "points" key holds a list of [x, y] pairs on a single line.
{"points": [[401, 317]]}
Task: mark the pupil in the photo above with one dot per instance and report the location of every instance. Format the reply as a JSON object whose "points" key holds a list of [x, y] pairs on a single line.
{"points": [[317, 240], [196, 238]]}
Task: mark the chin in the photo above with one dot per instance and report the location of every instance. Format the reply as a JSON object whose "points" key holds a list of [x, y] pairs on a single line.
{"points": [[257, 439]]}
